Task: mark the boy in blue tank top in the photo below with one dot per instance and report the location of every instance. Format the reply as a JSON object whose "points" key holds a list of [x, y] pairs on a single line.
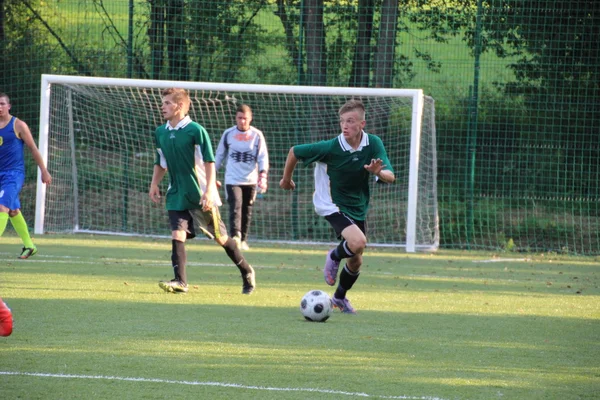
{"points": [[14, 134]]}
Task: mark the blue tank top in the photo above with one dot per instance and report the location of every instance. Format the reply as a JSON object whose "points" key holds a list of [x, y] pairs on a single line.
{"points": [[11, 149]]}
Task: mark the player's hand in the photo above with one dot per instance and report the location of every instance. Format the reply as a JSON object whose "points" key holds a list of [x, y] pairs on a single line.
{"points": [[154, 193], [46, 177], [262, 184], [287, 185], [218, 183], [206, 201], [375, 166]]}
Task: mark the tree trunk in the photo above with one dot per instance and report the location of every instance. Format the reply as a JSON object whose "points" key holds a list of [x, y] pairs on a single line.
{"points": [[316, 60], [2, 15], [386, 44], [176, 48], [156, 36], [361, 64], [290, 40]]}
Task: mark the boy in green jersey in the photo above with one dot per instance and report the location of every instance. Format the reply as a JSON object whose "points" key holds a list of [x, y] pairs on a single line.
{"points": [[343, 167], [185, 152]]}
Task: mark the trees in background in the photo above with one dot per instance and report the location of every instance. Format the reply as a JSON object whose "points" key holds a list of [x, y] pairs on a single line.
{"points": [[555, 55]]}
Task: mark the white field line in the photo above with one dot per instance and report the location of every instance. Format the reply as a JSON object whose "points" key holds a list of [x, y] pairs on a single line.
{"points": [[216, 384], [493, 260], [118, 261], [46, 259]]}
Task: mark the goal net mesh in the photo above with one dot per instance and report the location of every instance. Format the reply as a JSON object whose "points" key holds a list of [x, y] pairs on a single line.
{"points": [[101, 154]]}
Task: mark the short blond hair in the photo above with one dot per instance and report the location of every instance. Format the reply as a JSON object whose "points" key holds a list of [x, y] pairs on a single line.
{"points": [[179, 96], [353, 105]]}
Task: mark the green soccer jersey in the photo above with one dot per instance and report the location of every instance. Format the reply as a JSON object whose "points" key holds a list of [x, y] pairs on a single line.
{"points": [[183, 151], [341, 180]]}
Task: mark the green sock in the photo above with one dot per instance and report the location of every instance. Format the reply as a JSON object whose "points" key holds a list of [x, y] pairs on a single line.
{"points": [[18, 222], [3, 222]]}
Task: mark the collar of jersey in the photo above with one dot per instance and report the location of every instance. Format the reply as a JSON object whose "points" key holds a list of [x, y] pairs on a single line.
{"points": [[346, 147], [181, 123]]}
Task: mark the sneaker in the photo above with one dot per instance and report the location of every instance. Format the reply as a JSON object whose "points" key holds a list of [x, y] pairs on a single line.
{"points": [[28, 252], [331, 269], [249, 282], [173, 286], [244, 246], [343, 304], [238, 241]]}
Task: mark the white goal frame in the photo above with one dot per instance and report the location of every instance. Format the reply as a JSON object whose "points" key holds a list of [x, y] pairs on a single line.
{"points": [[416, 95]]}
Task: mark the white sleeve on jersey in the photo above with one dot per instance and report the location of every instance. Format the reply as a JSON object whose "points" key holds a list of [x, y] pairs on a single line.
{"points": [[163, 160], [221, 153]]}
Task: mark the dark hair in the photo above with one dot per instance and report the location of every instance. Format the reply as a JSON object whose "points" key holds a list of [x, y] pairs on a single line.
{"points": [[243, 108], [5, 95]]}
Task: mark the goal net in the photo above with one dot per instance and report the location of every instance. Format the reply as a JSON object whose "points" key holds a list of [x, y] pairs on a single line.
{"points": [[96, 135]]}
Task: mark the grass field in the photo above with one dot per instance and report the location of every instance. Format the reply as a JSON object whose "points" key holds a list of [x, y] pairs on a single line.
{"points": [[91, 322]]}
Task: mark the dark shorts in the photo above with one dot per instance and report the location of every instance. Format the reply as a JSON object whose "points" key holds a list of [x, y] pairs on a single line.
{"points": [[340, 221], [11, 183], [196, 220]]}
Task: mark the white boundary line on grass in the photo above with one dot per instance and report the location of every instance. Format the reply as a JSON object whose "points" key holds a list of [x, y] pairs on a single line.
{"points": [[115, 261], [217, 384]]}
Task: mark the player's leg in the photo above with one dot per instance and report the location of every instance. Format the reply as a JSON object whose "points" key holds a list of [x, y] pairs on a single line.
{"points": [[20, 226], [234, 199], [353, 242], [11, 183], [210, 223], [3, 219], [6, 320], [348, 276], [351, 248], [182, 227], [248, 198]]}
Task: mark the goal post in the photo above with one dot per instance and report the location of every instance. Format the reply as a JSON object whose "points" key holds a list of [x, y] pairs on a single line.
{"points": [[96, 139]]}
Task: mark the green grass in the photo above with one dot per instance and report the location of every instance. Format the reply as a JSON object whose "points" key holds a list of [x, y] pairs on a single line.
{"points": [[443, 326]]}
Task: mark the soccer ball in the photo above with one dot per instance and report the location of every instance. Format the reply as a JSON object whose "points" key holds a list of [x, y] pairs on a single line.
{"points": [[316, 306]]}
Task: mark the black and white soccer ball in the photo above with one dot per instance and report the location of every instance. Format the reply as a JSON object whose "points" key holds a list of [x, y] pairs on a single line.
{"points": [[316, 306]]}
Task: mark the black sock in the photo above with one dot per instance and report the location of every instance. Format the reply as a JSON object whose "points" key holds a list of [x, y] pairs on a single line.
{"points": [[347, 279], [236, 256], [341, 251], [178, 259]]}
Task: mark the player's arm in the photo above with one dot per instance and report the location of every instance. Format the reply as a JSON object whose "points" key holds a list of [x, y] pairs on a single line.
{"points": [[25, 135], [263, 155], [202, 140], [386, 176], [376, 167], [221, 153], [208, 197], [263, 165], [380, 165], [158, 173], [286, 183]]}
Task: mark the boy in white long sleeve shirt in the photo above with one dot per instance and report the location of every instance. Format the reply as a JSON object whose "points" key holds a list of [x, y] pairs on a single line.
{"points": [[243, 151]]}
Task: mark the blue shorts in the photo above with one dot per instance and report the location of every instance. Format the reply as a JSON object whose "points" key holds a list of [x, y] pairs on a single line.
{"points": [[11, 183]]}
